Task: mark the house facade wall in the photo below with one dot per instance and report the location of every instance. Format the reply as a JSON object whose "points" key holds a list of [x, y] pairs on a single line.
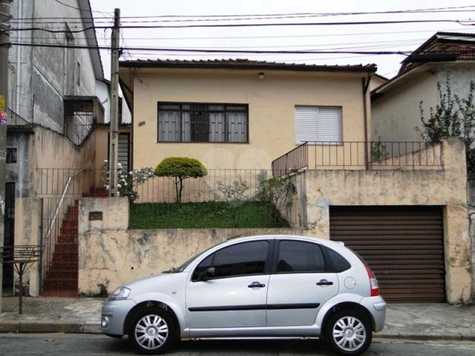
{"points": [[271, 101], [396, 114], [38, 78], [445, 187]]}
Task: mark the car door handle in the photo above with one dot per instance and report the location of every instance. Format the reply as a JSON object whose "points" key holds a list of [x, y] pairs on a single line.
{"points": [[324, 282], [256, 285]]}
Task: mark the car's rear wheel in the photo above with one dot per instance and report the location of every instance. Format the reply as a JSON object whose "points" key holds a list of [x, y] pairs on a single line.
{"points": [[153, 331], [349, 332]]}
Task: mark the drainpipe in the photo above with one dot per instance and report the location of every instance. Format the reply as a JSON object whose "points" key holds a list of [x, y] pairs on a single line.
{"points": [[364, 85]]}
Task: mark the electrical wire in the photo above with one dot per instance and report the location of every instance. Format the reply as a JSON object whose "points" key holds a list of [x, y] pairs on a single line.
{"points": [[465, 8], [206, 50], [275, 24]]}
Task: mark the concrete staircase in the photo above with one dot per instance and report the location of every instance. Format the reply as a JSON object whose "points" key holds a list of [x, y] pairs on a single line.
{"points": [[62, 278]]}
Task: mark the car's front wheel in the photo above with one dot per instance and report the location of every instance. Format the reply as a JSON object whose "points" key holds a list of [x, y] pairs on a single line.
{"points": [[349, 332], [153, 331]]}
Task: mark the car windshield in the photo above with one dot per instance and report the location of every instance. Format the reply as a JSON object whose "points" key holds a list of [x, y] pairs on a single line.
{"points": [[182, 267]]}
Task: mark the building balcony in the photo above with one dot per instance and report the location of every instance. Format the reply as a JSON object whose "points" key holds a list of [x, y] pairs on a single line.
{"points": [[359, 155], [16, 122]]}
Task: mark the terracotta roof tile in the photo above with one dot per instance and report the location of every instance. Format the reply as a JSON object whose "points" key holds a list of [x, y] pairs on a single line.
{"points": [[246, 64]]}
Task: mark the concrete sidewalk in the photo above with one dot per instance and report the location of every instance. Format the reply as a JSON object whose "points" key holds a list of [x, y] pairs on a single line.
{"points": [[82, 315]]}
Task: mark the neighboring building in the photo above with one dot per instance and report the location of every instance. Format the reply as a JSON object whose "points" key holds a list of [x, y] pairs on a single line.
{"points": [[53, 110], [376, 81], [400, 205], [396, 104]]}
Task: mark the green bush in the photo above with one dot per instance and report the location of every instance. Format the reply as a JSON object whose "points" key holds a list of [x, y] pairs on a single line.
{"points": [[180, 168]]}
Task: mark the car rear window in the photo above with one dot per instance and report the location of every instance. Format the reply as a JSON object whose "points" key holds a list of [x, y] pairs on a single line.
{"points": [[335, 263], [299, 257]]}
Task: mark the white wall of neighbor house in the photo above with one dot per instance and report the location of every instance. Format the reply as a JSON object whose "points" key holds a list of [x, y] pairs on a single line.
{"points": [[396, 113]]}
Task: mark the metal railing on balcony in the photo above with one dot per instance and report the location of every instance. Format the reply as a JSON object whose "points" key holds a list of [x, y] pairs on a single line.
{"points": [[291, 161], [359, 155]]}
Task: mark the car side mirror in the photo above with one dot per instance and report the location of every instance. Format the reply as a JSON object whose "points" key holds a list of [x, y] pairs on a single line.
{"points": [[208, 273]]}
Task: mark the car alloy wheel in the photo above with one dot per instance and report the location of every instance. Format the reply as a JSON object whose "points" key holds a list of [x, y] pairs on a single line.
{"points": [[349, 334], [151, 332]]}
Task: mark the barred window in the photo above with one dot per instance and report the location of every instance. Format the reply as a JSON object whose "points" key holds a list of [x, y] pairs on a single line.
{"points": [[192, 122]]}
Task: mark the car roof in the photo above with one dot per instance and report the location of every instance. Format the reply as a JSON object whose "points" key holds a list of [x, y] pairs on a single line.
{"points": [[236, 240], [308, 238]]}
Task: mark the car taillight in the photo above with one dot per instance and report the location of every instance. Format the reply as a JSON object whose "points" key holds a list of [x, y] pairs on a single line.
{"points": [[373, 282]]}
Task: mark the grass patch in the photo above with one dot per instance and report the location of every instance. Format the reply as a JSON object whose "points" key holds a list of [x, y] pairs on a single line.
{"points": [[205, 215]]}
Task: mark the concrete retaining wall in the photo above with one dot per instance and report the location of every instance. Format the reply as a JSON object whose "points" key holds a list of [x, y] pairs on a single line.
{"points": [[110, 255]]}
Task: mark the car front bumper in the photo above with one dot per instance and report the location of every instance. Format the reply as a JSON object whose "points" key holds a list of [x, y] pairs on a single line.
{"points": [[113, 316]]}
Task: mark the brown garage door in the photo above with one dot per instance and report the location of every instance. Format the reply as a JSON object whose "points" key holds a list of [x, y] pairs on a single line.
{"points": [[403, 246]]}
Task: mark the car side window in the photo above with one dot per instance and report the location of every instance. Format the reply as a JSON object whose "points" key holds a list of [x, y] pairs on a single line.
{"points": [[242, 259], [336, 263], [299, 257], [201, 268]]}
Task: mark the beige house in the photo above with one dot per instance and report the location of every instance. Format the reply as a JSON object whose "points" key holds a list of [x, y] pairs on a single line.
{"points": [[240, 114], [401, 205]]}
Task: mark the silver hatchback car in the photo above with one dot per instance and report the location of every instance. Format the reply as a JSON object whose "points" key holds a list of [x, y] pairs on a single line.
{"points": [[260, 286]]}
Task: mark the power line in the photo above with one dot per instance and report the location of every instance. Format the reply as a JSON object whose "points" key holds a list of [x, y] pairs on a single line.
{"points": [[315, 14], [319, 35], [208, 50], [99, 21], [57, 31], [275, 24]]}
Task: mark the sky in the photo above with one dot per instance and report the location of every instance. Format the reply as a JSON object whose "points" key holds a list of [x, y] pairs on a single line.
{"points": [[394, 37]]}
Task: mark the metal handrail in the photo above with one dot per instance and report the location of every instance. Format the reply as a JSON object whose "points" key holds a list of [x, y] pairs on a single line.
{"points": [[58, 207], [292, 150], [47, 245]]}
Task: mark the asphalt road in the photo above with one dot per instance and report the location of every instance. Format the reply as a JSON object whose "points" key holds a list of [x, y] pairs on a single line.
{"points": [[93, 345]]}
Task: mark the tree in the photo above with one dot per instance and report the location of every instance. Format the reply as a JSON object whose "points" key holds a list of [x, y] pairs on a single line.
{"points": [[180, 168], [453, 116]]}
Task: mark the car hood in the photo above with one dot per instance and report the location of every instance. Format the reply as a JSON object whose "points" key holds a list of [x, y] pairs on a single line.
{"points": [[162, 283]]}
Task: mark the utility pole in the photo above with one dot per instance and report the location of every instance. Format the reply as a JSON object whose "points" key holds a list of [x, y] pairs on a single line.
{"points": [[4, 46], [114, 106]]}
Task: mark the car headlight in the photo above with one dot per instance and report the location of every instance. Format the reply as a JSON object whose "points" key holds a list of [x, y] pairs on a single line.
{"points": [[120, 293]]}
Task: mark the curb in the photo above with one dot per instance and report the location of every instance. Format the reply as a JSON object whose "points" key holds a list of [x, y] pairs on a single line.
{"points": [[47, 327], [425, 337]]}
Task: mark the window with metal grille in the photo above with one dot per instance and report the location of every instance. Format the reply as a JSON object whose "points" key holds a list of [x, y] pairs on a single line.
{"points": [[193, 122], [318, 124]]}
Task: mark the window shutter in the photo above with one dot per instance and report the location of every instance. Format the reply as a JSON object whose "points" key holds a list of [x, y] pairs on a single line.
{"points": [[318, 124], [329, 125], [305, 123]]}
